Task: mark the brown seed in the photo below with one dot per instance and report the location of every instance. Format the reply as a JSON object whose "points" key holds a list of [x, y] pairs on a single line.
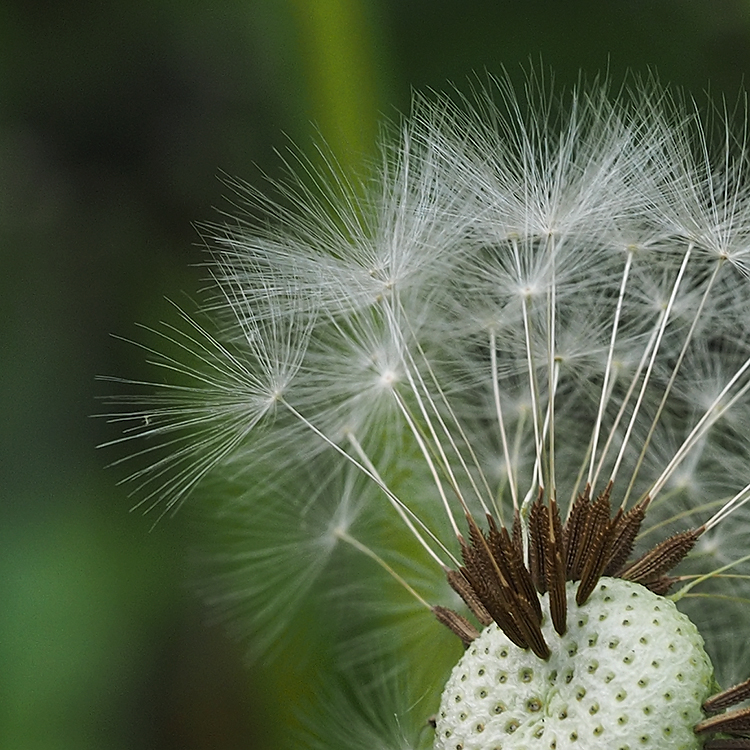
{"points": [[662, 558], [731, 722], [457, 623], [727, 698]]}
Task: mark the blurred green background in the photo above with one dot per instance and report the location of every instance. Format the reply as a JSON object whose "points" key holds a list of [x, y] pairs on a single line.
{"points": [[117, 120]]}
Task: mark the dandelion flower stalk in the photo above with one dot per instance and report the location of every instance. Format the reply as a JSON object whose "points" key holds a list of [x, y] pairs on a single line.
{"points": [[509, 374]]}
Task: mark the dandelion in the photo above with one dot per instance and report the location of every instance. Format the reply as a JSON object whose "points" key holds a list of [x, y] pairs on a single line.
{"points": [[509, 378]]}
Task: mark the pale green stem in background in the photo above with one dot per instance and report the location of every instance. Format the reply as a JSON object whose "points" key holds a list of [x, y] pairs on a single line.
{"points": [[688, 513], [338, 53], [684, 590]]}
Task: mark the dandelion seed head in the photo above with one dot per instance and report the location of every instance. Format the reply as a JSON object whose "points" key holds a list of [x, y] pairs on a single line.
{"points": [[511, 362]]}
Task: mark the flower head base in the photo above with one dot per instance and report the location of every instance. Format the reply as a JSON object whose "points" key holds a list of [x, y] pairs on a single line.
{"points": [[510, 372], [616, 648], [608, 682]]}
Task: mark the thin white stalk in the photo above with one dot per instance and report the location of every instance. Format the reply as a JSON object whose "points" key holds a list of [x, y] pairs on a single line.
{"points": [[606, 392], [414, 376], [736, 502], [397, 504], [650, 367], [431, 465], [549, 415], [672, 378], [626, 399], [501, 421], [346, 537], [579, 485], [518, 438], [532, 382], [702, 426], [457, 425], [551, 368], [537, 472], [533, 386], [688, 513], [368, 464]]}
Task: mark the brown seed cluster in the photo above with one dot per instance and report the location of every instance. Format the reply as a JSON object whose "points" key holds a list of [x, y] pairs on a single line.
{"points": [[735, 723], [498, 584]]}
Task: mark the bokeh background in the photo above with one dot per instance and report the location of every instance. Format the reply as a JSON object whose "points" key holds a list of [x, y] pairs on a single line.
{"points": [[119, 121]]}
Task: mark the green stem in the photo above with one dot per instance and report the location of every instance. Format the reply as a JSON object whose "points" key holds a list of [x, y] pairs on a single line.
{"points": [[338, 53]]}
